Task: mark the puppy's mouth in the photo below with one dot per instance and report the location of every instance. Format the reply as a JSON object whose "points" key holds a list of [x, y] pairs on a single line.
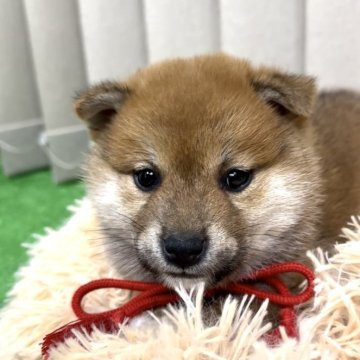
{"points": [[211, 276], [183, 274], [189, 279], [174, 278]]}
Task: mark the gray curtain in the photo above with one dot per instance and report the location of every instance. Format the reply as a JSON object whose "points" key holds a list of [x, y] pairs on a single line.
{"points": [[49, 49]]}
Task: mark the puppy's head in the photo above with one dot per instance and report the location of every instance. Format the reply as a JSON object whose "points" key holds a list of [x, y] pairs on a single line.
{"points": [[202, 169]]}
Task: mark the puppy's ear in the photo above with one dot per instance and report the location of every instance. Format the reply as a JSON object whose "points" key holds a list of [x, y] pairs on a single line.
{"points": [[98, 105], [287, 94]]}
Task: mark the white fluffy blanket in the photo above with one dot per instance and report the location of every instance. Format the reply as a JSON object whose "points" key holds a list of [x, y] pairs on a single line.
{"points": [[62, 260]]}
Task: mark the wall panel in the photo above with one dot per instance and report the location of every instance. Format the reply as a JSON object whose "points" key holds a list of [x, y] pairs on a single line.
{"points": [[181, 28], [58, 58], [333, 42], [269, 32], [20, 112], [113, 37]]}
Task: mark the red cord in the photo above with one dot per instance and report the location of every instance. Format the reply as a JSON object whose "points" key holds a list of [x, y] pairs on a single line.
{"points": [[154, 295]]}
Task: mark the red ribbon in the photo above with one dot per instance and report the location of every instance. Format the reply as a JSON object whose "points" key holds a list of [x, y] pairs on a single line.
{"points": [[154, 295]]}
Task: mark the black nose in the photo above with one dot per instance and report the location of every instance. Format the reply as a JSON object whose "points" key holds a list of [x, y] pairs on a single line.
{"points": [[184, 249]]}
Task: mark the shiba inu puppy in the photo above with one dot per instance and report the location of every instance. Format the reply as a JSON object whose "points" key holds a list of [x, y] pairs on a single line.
{"points": [[205, 169]]}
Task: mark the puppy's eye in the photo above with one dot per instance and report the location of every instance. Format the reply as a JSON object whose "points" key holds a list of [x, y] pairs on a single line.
{"points": [[146, 179], [236, 180]]}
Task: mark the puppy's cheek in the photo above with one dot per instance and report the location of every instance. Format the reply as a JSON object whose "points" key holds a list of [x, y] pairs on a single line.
{"points": [[116, 198], [148, 244], [284, 201], [274, 205], [220, 243], [274, 210], [227, 255], [105, 194]]}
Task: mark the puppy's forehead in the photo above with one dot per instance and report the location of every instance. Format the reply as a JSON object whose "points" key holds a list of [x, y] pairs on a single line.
{"points": [[188, 118]]}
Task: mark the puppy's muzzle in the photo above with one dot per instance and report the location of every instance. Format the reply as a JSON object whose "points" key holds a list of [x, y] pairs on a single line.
{"points": [[184, 249]]}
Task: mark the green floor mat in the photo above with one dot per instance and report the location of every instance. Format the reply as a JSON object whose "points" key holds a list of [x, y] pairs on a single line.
{"points": [[28, 203]]}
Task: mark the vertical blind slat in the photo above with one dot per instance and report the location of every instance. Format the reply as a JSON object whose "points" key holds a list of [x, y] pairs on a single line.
{"points": [[114, 38], [20, 114], [269, 32], [16, 66], [57, 51], [181, 28], [333, 45]]}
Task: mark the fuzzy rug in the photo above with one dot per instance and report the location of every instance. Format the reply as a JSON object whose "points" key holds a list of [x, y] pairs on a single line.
{"points": [[62, 260]]}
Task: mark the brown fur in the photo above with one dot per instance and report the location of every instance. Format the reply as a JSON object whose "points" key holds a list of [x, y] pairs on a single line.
{"points": [[337, 122], [192, 119]]}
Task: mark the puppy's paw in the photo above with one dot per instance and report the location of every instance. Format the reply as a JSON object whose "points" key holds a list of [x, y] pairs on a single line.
{"points": [[143, 321]]}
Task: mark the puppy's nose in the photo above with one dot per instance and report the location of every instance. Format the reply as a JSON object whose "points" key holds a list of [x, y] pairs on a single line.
{"points": [[184, 249]]}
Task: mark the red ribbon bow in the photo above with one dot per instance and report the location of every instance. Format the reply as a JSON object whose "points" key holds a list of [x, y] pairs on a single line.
{"points": [[154, 295]]}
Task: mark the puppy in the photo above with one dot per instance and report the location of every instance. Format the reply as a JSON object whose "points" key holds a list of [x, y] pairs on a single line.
{"points": [[207, 168]]}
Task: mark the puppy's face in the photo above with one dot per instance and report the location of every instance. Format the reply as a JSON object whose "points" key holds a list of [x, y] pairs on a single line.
{"points": [[202, 169]]}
